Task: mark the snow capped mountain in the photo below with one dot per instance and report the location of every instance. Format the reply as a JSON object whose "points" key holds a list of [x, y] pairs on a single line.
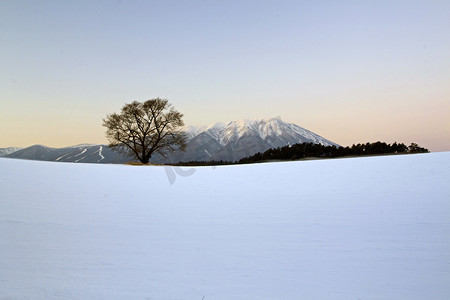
{"points": [[212, 130], [239, 139], [266, 129]]}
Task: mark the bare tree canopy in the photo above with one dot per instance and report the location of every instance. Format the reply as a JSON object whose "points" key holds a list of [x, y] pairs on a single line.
{"points": [[144, 128]]}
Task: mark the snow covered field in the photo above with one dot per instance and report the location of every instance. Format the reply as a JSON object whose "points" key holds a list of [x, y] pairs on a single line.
{"points": [[361, 228]]}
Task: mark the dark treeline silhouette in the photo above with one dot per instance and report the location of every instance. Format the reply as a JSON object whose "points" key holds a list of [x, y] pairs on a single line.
{"points": [[195, 163], [306, 150], [310, 150]]}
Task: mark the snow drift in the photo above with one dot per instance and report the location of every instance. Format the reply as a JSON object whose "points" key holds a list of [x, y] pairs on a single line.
{"points": [[363, 228]]}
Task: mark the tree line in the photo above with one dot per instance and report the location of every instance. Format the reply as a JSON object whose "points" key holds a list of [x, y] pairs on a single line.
{"points": [[306, 150], [311, 150]]}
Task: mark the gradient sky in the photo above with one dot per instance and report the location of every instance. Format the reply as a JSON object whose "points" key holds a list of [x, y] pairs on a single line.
{"points": [[351, 71]]}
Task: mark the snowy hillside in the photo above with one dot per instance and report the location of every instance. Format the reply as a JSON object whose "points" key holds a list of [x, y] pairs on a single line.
{"points": [[363, 228]]}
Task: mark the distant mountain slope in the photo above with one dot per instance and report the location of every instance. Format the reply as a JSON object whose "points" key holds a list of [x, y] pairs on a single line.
{"points": [[9, 150], [85, 153], [239, 139]]}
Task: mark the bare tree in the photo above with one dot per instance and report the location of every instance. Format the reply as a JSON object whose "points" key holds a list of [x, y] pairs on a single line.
{"points": [[144, 128]]}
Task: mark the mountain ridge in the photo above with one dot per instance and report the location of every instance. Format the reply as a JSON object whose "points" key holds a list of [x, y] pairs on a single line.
{"points": [[84, 153], [238, 139], [219, 141], [8, 150]]}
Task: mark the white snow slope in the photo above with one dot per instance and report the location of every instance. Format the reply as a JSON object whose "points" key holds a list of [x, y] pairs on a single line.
{"points": [[362, 228]]}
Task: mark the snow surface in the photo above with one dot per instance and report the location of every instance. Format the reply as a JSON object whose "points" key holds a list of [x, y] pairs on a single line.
{"points": [[82, 152], [62, 156], [362, 228], [100, 153]]}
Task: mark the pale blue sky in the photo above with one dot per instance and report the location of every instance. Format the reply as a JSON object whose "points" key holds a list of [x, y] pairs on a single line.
{"points": [[351, 71]]}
